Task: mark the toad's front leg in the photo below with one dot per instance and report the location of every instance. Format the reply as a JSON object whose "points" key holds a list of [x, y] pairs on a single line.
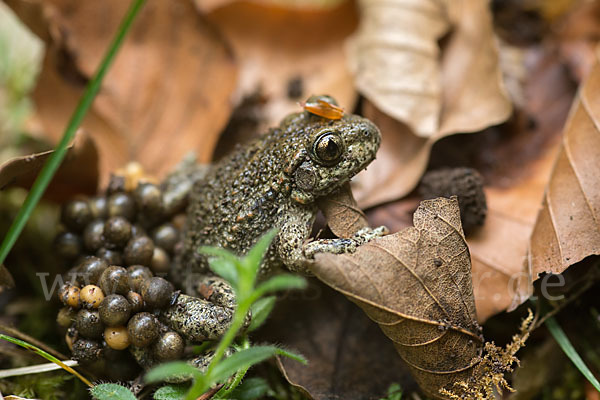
{"points": [[295, 253], [343, 245]]}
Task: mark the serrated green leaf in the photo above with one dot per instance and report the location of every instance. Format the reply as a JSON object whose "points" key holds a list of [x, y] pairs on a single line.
{"points": [[260, 311], [251, 389], [171, 392], [170, 370], [280, 282], [111, 391], [246, 358], [255, 255]]}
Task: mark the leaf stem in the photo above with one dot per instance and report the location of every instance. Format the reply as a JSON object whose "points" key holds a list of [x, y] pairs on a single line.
{"points": [[56, 158]]}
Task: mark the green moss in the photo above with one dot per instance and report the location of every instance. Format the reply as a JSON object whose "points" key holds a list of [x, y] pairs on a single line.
{"points": [[48, 386]]}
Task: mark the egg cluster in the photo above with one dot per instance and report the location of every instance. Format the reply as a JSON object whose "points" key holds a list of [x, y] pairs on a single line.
{"points": [[115, 244]]}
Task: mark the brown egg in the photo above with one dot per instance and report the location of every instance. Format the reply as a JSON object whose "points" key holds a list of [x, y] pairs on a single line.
{"points": [[91, 296], [117, 337]]}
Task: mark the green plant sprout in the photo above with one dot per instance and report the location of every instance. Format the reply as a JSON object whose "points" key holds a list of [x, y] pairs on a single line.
{"points": [[241, 273]]}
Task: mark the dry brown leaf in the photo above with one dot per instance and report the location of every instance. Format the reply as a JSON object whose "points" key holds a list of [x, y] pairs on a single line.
{"points": [[567, 228], [77, 174], [343, 216], [167, 93], [416, 284], [56, 97], [398, 66], [276, 44]]}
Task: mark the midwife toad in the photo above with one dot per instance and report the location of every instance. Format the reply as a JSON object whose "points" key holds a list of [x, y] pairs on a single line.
{"points": [[274, 182]]}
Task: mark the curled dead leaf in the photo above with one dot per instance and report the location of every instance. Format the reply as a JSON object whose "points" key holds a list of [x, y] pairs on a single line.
{"points": [[400, 163], [78, 174], [418, 93], [343, 216], [398, 65], [416, 284], [567, 228]]}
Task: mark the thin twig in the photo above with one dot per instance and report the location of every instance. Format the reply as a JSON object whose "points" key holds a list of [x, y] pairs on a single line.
{"points": [[587, 284]]}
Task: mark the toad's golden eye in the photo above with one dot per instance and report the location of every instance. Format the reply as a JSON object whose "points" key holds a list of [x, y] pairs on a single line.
{"points": [[328, 148]]}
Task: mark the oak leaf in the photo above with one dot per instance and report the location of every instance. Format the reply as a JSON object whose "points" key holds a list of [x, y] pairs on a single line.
{"points": [[416, 284]]}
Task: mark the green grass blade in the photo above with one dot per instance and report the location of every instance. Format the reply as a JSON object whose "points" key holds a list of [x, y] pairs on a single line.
{"points": [[47, 356], [257, 252], [54, 161], [566, 346]]}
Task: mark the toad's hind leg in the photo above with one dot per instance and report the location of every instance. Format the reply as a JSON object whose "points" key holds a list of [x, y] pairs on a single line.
{"points": [[203, 317]]}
